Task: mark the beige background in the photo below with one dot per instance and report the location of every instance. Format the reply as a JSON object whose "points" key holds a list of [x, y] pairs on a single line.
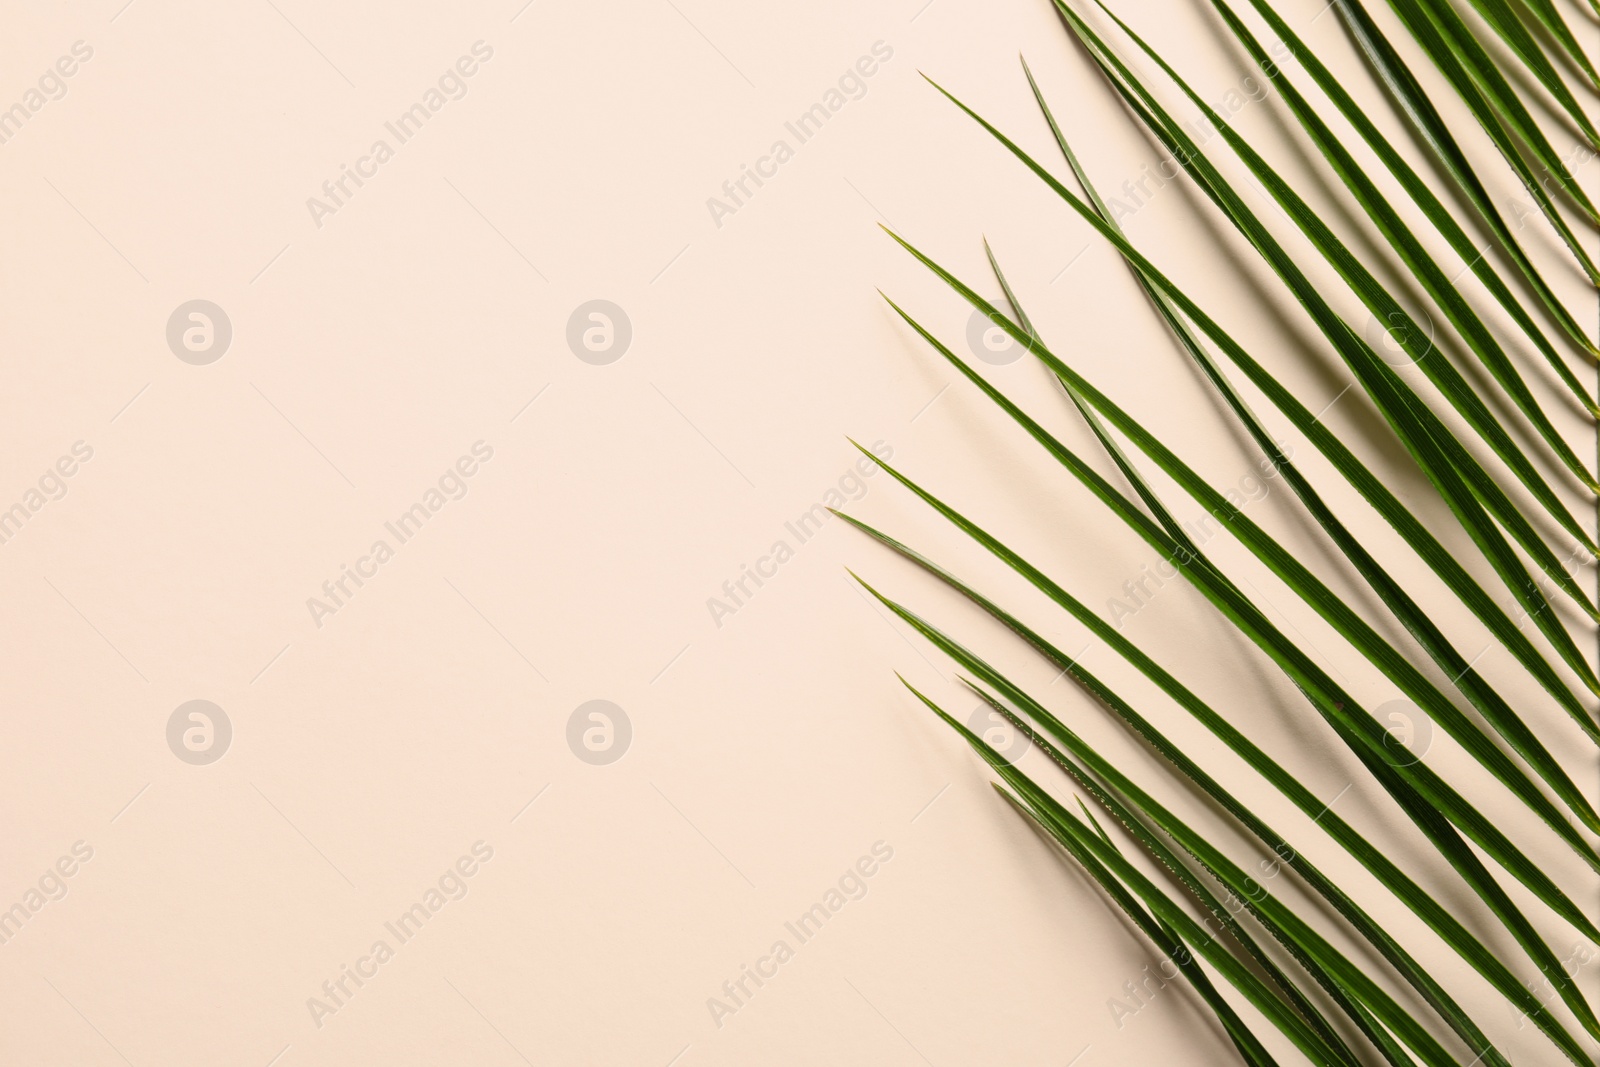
{"points": [[769, 752]]}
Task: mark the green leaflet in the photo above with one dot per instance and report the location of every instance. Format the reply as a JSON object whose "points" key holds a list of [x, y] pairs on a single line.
{"points": [[1430, 802], [1385, 62], [1332, 970], [1458, 476], [1322, 599], [1309, 950], [1472, 58], [1456, 308], [1484, 533], [1324, 963], [1165, 937], [1437, 213], [1498, 14], [1414, 103], [1410, 615], [1174, 950], [1109, 868], [1551, 20], [1440, 919]]}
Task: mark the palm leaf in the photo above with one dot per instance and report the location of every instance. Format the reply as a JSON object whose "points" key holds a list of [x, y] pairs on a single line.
{"points": [[1433, 805], [1455, 306], [1442, 219], [1460, 479], [1440, 919], [1455, 827], [1505, 23], [1408, 93], [1484, 533], [1410, 615], [1110, 868], [1328, 605]]}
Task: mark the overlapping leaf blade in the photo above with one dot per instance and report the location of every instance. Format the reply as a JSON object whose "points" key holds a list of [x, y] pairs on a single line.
{"points": [[1547, 15], [1514, 575], [1431, 803], [1482, 507], [1504, 21], [1460, 479], [1121, 796], [1433, 806], [1477, 261], [1327, 604], [1439, 918], [1110, 868], [1407, 611], [1508, 107], [1468, 325], [1408, 93]]}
